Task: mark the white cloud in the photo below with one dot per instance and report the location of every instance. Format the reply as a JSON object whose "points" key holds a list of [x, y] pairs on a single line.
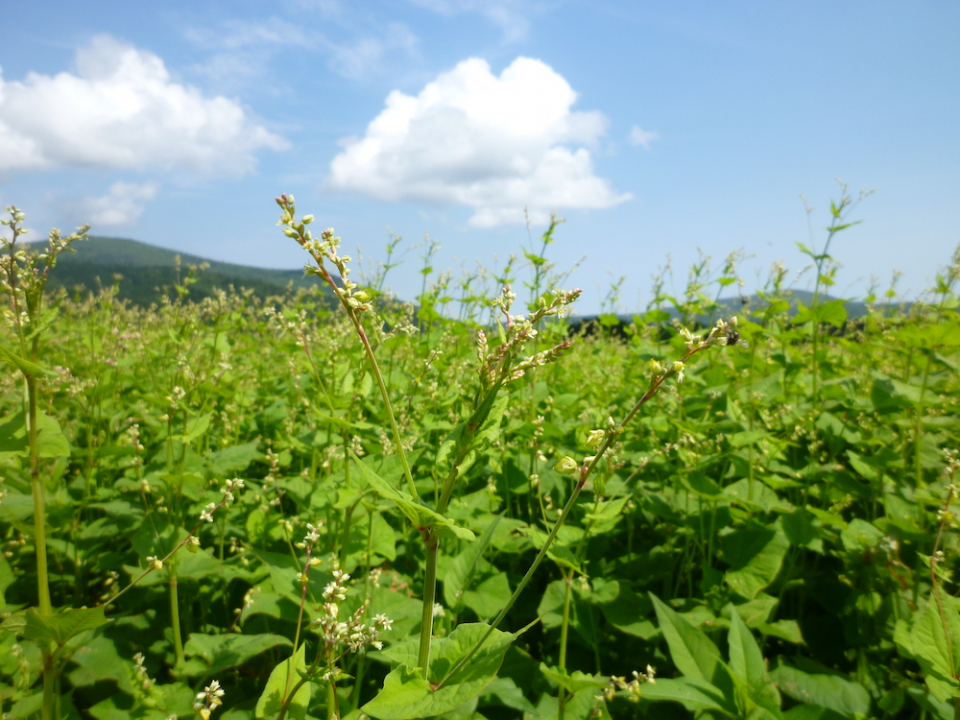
{"points": [[121, 206], [642, 137], [246, 49], [121, 110], [508, 15], [495, 144], [360, 58]]}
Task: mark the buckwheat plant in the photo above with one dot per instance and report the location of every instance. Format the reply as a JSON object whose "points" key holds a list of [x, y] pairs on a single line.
{"points": [[723, 334], [338, 637], [411, 690], [24, 276]]}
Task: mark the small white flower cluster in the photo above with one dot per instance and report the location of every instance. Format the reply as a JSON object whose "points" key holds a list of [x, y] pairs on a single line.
{"points": [[313, 534], [311, 538], [336, 590], [497, 365], [324, 248], [231, 486], [595, 439], [632, 688], [175, 396], [208, 700], [110, 586], [21, 271], [146, 682], [353, 633], [724, 333]]}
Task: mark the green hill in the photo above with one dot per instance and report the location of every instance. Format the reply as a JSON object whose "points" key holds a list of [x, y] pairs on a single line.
{"points": [[146, 270]]}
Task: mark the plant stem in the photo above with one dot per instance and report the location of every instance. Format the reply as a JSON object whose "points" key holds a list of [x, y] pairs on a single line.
{"points": [[39, 502], [175, 618], [40, 543], [564, 635], [431, 541]]}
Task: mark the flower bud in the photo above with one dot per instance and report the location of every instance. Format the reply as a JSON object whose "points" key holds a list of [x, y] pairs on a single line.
{"points": [[596, 438], [567, 466], [307, 219]]}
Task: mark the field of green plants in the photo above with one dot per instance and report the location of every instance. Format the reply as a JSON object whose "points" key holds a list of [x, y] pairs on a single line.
{"points": [[243, 509]]}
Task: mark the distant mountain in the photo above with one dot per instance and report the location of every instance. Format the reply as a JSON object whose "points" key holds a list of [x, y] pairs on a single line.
{"points": [[733, 306], [147, 269]]}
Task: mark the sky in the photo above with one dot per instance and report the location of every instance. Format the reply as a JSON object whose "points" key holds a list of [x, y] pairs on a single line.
{"points": [[659, 131]]}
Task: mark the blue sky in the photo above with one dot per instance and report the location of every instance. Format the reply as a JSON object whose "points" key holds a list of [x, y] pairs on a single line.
{"points": [[654, 128]]}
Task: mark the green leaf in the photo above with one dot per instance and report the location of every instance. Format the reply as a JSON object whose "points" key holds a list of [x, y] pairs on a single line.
{"points": [[195, 428], [25, 366], [746, 662], [63, 626], [489, 597], [406, 695], [692, 693], [29, 706], [788, 630], [747, 437], [51, 442], [692, 652], [420, 515], [833, 312], [833, 692], [558, 552], [574, 682], [463, 568], [219, 652], [488, 433], [6, 579], [860, 536], [15, 623], [756, 556], [505, 690], [943, 334], [802, 530], [281, 680], [937, 648], [233, 458]]}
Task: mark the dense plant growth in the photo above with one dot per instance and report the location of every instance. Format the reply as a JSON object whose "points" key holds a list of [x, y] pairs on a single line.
{"points": [[241, 508]]}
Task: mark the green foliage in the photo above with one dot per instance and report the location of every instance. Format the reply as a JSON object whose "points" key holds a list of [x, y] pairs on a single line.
{"points": [[765, 538]]}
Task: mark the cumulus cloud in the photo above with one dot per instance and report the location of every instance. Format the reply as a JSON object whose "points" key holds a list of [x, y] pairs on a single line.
{"points": [[121, 206], [120, 109], [643, 138], [495, 144]]}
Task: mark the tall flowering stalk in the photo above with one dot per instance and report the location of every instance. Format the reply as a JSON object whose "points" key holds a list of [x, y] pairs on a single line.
{"points": [[354, 300], [499, 365], [24, 279], [338, 636]]}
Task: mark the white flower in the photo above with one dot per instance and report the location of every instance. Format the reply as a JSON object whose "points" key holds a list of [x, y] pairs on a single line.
{"points": [[207, 514]]}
